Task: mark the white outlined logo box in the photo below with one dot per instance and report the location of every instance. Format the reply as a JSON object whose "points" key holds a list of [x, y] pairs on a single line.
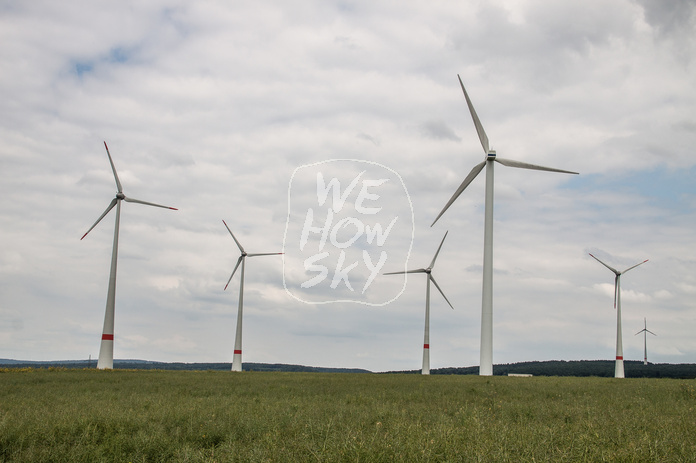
{"points": [[348, 221]]}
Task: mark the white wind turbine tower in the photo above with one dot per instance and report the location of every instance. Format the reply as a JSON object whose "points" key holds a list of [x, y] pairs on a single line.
{"points": [[619, 368], [237, 358], [427, 271], [106, 350], [645, 332], [486, 364]]}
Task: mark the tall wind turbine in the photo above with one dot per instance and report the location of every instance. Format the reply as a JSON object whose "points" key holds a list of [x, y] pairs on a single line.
{"points": [[427, 271], [486, 364], [645, 332], [237, 358], [619, 368], [106, 350]]}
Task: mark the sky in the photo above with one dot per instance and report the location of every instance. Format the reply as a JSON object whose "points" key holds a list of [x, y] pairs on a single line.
{"points": [[222, 110]]}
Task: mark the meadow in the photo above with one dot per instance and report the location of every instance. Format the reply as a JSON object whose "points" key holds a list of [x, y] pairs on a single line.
{"points": [[136, 416]]}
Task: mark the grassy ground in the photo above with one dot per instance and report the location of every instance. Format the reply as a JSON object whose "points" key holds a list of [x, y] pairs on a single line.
{"points": [[89, 415]]}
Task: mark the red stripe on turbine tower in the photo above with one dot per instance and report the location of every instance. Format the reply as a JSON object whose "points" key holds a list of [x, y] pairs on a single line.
{"points": [[237, 352], [426, 346], [107, 337], [619, 357]]}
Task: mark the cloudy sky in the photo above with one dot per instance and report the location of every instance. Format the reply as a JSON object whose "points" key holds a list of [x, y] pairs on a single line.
{"points": [[212, 107]]}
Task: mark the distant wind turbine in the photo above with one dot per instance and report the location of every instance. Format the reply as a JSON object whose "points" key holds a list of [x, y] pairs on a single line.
{"points": [[427, 271], [486, 364], [619, 368], [106, 350], [645, 332], [237, 358]]}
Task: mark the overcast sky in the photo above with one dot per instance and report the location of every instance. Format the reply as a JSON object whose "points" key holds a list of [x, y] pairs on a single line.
{"points": [[215, 107]]}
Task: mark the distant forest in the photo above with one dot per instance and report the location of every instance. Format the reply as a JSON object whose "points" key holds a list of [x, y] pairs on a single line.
{"points": [[602, 368], [150, 365]]}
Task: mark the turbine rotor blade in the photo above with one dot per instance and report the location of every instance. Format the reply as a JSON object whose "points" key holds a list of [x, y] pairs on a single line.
{"points": [[234, 237], [432, 264], [610, 268], [420, 270], [479, 128], [629, 268], [439, 289], [131, 200], [239, 261], [111, 206], [113, 168], [266, 254], [469, 178], [525, 165], [616, 287], [651, 332]]}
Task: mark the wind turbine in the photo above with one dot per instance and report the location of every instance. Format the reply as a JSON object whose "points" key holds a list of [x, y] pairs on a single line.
{"points": [[619, 368], [645, 332], [237, 358], [106, 350], [486, 364], [427, 271]]}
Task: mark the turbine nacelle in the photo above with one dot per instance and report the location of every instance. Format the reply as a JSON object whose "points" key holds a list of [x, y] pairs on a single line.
{"points": [[490, 156], [243, 254], [120, 196], [428, 271], [618, 274]]}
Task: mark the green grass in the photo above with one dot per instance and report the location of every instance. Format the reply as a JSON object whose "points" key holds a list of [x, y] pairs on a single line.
{"points": [[89, 415]]}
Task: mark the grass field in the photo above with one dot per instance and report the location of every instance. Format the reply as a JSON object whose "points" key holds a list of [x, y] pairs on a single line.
{"points": [[132, 416]]}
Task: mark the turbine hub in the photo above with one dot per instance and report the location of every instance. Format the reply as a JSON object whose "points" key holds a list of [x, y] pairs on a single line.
{"points": [[490, 155], [428, 270], [120, 195], [244, 254]]}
